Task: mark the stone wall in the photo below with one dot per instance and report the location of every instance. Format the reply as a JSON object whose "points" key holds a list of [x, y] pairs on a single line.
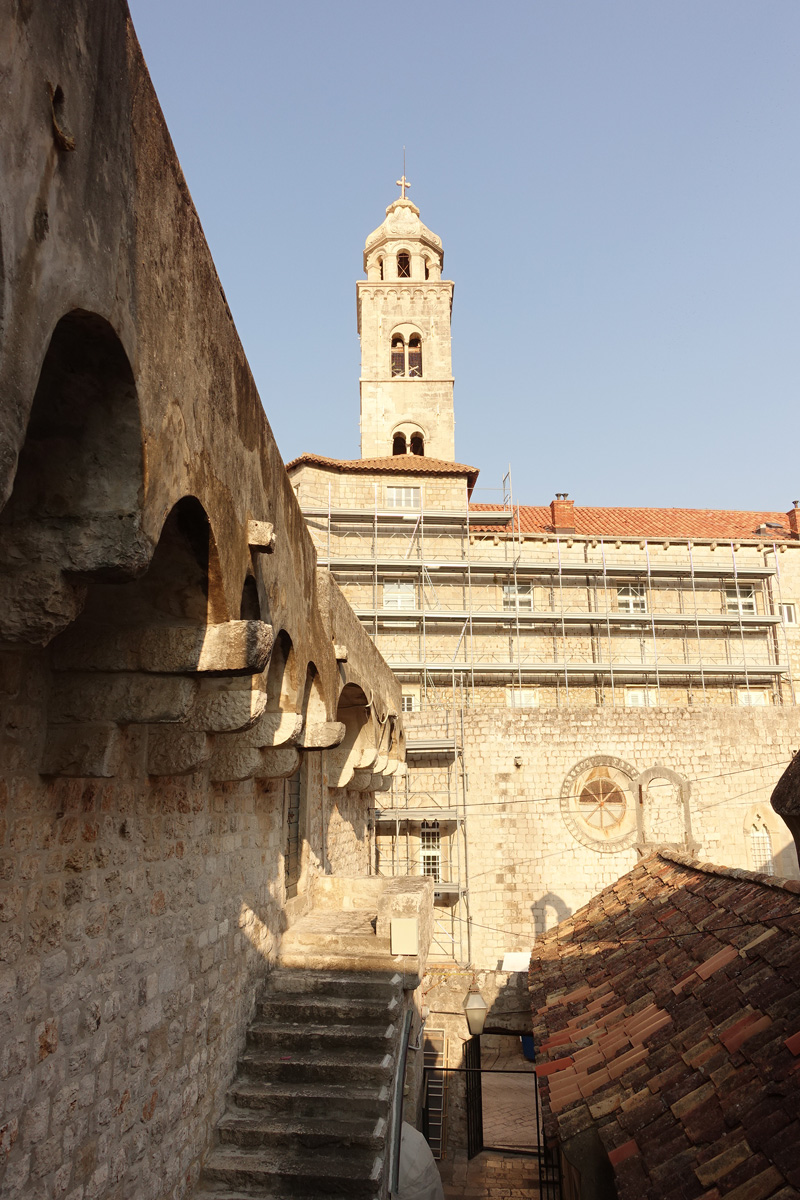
{"points": [[177, 680], [534, 859]]}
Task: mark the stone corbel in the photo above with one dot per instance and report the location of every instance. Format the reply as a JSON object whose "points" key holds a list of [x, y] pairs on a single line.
{"points": [[361, 781], [127, 699], [261, 536], [322, 736], [173, 751], [231, 648], [228, 705], [275, 729]]}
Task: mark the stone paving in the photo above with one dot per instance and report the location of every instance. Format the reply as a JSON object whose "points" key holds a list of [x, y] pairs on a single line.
{"points": [[489, 1175]]}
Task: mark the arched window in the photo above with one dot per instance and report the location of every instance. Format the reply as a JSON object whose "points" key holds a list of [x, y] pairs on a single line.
{"points": [[399, 443], [417, 443], [427, 270], [398, 355], [380, 264], [415, 356], [403, 265], [761, 850]]}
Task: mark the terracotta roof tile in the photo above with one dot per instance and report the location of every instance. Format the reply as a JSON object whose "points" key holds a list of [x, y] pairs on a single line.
{"points": [[397, 464], [656, 523], [695, 1053]]}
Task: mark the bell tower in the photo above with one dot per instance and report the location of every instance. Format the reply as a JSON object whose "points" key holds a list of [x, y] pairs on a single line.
{"points": [[404, 309]]}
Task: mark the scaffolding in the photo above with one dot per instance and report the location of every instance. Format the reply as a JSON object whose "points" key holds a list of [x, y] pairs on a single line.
{"points": [[721, 629], [425, 819]]}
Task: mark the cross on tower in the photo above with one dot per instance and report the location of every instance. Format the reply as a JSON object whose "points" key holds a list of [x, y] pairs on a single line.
{"points": [[403, 184]]}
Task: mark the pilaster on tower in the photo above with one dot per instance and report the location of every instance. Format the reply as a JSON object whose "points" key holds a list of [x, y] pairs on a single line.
{"points": [[404, 309]]}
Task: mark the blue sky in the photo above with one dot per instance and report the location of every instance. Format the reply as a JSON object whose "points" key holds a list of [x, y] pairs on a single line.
{"points": [[617, 186]]}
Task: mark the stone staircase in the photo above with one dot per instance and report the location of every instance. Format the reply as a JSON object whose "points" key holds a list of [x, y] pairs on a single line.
{"points": [[308, 1113]]}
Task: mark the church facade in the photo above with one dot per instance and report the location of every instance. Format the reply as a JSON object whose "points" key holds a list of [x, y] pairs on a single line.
{"points": [[581, 684]]}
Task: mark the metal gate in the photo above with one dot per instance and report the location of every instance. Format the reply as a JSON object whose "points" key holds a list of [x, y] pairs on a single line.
{"points": [[472, 1063]]}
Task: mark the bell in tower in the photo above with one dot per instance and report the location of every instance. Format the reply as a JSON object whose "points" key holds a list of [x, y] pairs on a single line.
{"points": [[404, 309]]}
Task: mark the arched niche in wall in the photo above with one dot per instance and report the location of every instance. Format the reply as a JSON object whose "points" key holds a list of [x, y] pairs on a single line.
{"points": [[164, 621], [663, 816], [318, 732], [282, 721], [358, 749], [74, 514]]}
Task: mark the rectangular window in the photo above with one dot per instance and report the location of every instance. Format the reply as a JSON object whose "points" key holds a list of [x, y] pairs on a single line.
{"points": [[741, 601], [399, 594], [752, 697], [632, 598], [788, 614], [525, 697], [410, 702], [641, 697], [430, 850], [518, 596], [402, 497]]}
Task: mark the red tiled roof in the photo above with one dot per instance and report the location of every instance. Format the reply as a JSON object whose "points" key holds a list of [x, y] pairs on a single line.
{"points": [[648, 522], [671, 1005], [399, 464]]}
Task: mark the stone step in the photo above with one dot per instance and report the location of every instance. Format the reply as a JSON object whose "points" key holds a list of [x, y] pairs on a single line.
{"points": [[354, 943], [317, 1010], [336, 958], [323, 1067], [345, 1136], [309, 1099], [268, 1035], [365, 984], [292, 1173]]}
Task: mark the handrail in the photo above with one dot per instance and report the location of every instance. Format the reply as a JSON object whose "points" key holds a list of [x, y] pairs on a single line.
{"points": [[397, 1105]]}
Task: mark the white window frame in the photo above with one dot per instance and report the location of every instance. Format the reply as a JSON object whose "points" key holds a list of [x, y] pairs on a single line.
{"points": [[789, 614], [741, 603], [632, 598], [752, 698], [399, 595], [641, 697], [522, 697], [413, 702], [430, 850], [517, 597], [402, 497]]}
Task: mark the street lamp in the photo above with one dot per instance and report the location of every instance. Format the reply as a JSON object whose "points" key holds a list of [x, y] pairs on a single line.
{"points": [[475, 1008]]}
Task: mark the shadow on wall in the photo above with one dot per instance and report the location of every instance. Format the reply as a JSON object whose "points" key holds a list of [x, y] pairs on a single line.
{"points": [[547, 904]]}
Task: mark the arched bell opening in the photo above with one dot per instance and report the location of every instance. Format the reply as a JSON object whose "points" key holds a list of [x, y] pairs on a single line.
{"points": [[74, 514], [399, 444]]}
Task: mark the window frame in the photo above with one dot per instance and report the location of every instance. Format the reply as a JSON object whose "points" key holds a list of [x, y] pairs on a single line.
{"points": [[399, 590], [788, 613], [514, 593], [627, 596], [650, 696], [403, 497], [739, 599]]}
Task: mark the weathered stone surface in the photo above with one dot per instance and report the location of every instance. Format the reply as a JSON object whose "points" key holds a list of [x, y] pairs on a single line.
{"points": [[225, 706], [277, 729], [360, 781], [144, 901], [235, 647], [176, 751], [322, 736], [124, 698], [90, 751], [261, 536], [278, 763]]}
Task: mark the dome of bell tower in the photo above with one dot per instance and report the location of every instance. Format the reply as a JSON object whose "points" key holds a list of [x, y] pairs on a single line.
{"points": [[403, 233]]}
